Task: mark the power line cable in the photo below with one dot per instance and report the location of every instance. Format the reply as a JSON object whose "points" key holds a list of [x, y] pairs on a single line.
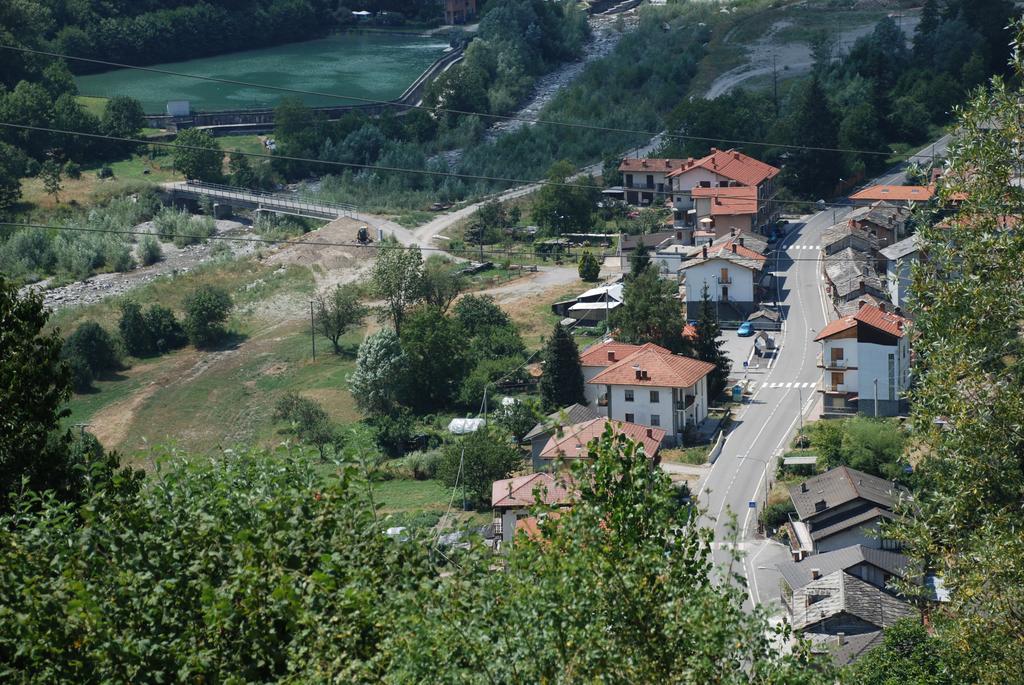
{"points": [[318, 243], [503, 117], [389, 169]]}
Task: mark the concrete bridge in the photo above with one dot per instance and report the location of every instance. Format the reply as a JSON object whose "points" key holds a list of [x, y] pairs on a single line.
{"points": [[226, 197]]}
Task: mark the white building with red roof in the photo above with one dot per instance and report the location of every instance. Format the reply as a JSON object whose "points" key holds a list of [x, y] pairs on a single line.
{"points": [[732, 272], [512, 498], [645, 179], [722, 181], [570, 442], [865, 363], [647, 385]]}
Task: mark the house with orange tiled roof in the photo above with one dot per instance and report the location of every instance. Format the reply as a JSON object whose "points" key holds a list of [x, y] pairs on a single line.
{"points": [[653, 387], [728, 184], [865, 363], [645, 179], [570, 442], [894, 193], [734, 275], [599, 356], [512, 498]]}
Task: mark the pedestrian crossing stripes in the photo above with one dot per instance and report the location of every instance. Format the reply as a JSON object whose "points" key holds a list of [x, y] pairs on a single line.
{"points": [[782, 386], [804, 247]]}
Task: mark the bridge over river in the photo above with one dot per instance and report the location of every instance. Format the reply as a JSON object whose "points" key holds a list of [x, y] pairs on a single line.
{"points": [[226, 197]]}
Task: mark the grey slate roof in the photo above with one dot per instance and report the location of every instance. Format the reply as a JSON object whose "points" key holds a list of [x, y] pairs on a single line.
{"points": [[574, 413], [798, 573], [852, 647], [880, 213], [902, 248], [839, 593], [847, 268], [847, 522], [843, 230], [838, 486]]}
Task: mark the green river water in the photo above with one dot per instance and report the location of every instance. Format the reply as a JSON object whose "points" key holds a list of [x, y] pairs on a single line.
{"points": [[376, 66]]}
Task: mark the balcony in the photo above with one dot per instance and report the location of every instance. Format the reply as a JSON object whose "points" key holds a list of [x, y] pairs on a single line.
{"points": [[725, 279], [826, 386], [831, 363], [682, 405], [602, 400]]}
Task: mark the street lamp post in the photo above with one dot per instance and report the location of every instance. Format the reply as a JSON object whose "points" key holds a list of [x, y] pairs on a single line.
{"points": [[760, 526]]}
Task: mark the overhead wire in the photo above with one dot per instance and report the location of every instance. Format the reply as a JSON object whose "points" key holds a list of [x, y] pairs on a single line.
{"points": [[399, 170], [502, 117]]}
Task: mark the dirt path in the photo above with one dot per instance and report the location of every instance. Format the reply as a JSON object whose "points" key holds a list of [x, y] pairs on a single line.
{"points": [[787, 59]]}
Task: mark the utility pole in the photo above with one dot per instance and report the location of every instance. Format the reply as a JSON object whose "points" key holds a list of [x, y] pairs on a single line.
{"points": [[876, 398], [312, 329]]}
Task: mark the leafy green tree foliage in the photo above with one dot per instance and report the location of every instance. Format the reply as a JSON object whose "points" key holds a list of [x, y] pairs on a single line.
{"points": [[50, 173], [91, 352], [589, 268], [731, 117], [478, 313], [165, 330], [436, 355], [562, 208], [639, 260], [241, 171], [966, 517], [308, 420], [123, 117], [11, 168], [149, 250], [135, 334], [376, 384], [206, 311], [562, 381], [650, 313], [708, 346], [197, 155], [475, 461], [397, 277], [907, 656], [34, 388], [440, 284], [337, 313], [393, 432], [280, 571], [517, 418]]}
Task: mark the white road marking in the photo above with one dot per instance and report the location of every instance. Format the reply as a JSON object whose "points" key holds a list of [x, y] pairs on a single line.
{"points": [[789, 385]]}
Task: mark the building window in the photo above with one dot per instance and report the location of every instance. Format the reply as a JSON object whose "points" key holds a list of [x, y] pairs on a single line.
{"points": [[629, 395], [629, 180], [655, 420], [629, 418], [655, 398]]}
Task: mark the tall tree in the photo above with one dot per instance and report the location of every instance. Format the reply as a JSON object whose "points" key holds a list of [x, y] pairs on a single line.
{"points": [[34, 389], [376, 384], [197, 154], [968, 301], [562, 381], [338, 312], [589, 268], [816, 167], [563, 207], [441, 284], [50, 173], [398, 278], [708, 346], [436, 354], [640, 259], [242, 174], [476, 461], [650, 313]]}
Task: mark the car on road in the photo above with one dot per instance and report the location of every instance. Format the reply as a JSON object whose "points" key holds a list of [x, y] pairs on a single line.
{"points": [[745, 330]]}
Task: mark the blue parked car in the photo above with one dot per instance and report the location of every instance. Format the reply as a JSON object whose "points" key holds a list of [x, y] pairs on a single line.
{"points": [[746, 329]]}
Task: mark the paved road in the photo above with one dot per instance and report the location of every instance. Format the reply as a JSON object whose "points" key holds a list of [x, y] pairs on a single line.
{"points": [[784, 391]]}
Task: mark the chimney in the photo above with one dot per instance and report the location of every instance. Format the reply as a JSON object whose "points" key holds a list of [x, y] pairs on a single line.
{"points": [[732, 232], [679, 235], [863, 285], [735, 154], [704, 252], [693, 238], [732, 246], [815, 573], [611, 355], [881, 305], [860, 304], [650, 432], [841, 638], [741, 241], [803, 486]]}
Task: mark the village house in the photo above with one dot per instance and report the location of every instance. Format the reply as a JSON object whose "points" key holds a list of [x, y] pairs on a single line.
{"points": [[459, 11], [893, 193], [841, 508], [512, 498], [591, 307], [570, 442], [865, 363], [644, 180], [847, 235], [899, 259], [843, 615], [733, 174], [599, 356], [887, 222], [649, 386], [540, 433], [734, 275], [850, 275]]}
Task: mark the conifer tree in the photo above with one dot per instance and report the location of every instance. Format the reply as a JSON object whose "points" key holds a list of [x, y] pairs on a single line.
{"points": [[708, 346], [562, 382]]}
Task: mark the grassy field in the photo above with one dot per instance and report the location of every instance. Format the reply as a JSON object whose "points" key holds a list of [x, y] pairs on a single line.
{"points": [[689, 455]]}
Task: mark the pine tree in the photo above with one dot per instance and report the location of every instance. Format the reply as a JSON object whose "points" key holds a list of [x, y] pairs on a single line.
{"points": [[639, 260], [562, 382], [650, 313], [708, 346], [816, 170], [589, 267]]}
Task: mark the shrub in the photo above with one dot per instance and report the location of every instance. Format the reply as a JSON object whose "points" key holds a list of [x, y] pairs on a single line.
{"points": [[181, 227], [206, 310], [105, 172], [485, 456], [91, 352], [393, 432], [149, 250], [775, 515], [308, 420], [119, 258], [135, 333], [165, 330], [29, 253], [423, 465], [73, 170]]}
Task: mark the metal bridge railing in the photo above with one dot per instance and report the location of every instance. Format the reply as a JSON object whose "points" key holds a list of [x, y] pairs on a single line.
{"points": [[265, 199]]}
